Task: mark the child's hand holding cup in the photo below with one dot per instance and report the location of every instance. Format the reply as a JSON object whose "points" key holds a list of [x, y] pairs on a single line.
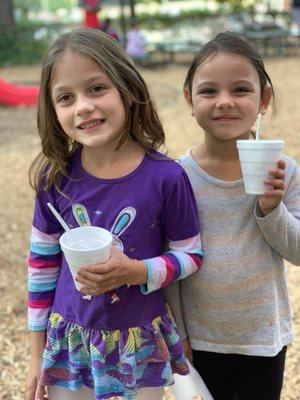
{"points": [[85, 245], [257, 157]]}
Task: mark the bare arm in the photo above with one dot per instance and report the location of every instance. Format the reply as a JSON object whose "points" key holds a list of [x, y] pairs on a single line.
{"points": [[33, 387]]}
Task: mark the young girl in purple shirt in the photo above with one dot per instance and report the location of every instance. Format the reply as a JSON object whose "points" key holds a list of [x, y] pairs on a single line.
{"points": [[100, 166]]}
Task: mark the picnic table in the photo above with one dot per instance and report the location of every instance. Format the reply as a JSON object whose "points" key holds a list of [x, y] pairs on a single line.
{"points": [[269, 41], [168, 50]]}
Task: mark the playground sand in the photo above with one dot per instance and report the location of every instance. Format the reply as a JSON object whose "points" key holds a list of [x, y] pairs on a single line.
{"points": [[19, 144]]}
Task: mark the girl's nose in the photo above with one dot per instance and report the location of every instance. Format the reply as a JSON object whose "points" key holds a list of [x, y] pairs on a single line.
{"points": [[84, 106], [225, 100]]}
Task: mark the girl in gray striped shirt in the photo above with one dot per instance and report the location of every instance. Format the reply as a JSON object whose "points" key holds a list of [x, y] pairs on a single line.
{"points": [[234, 314]]}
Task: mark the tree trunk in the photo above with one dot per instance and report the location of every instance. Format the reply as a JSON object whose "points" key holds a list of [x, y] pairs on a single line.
{"points": [[123, 22], [132, 11], [6, 13]]}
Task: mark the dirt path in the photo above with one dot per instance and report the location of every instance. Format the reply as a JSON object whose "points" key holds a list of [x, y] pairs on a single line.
{"points": [[19, 143]]}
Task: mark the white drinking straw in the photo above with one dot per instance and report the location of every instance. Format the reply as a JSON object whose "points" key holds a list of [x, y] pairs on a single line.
{"points": [[258, 126], [58, 217]]}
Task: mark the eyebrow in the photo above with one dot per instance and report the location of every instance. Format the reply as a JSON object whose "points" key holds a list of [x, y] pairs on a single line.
{"points": [[213, 83], [243, 81], [94, 78]]}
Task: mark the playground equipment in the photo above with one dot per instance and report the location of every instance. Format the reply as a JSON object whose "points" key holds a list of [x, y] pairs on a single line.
{"points": [[14, 95]]}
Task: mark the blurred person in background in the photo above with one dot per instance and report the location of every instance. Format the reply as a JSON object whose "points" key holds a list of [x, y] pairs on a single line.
{"points": [[91, 8], [295, 11], [108, 28], [136, 44]]}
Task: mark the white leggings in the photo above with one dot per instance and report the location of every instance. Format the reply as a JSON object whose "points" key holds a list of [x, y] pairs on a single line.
{"points": [[59, 393]]}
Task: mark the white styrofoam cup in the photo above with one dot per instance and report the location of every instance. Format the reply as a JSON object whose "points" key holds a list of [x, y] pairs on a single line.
{"points": [[257, 157], [85, 245]]}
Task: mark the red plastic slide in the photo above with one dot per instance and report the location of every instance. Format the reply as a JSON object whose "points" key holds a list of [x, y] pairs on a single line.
{"points": [[18, 95]]}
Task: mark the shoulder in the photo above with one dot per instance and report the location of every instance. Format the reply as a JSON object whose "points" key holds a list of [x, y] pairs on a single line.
{"points": [[168, 167], [186, 159], [166, 173], [190, 165]]}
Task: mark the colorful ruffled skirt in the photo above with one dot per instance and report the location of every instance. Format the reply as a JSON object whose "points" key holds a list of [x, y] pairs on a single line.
{"points": [[113, 363]]}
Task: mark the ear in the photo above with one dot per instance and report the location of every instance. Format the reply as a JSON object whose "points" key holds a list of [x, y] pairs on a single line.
{"points": [[265, 99], [187, 96]]}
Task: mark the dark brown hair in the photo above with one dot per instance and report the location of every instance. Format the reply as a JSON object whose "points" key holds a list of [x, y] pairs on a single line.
{"points": [[228, 42], [141, 123]]}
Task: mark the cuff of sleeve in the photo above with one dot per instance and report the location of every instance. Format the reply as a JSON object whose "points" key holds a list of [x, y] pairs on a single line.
{"points": [[37, 327], [273, 214], [269, 222], [150, 285]]}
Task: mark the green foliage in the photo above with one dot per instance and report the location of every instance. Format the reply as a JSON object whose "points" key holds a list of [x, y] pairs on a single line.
{"points": [[23, 6], [18, 45], [236, 5], [54, 5], [162, 21]]}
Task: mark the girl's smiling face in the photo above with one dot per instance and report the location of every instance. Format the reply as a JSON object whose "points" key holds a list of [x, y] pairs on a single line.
{"points": [[226, 96], [87, 104]]}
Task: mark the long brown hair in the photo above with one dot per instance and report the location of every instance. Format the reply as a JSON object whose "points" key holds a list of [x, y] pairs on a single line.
{"points": [[141, 123]]}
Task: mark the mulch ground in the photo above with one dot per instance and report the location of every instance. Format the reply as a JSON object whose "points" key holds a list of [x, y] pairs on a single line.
{"points": [[20, 143]]}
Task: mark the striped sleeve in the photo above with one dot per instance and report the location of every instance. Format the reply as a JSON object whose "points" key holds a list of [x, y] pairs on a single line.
{"points": [[183, 258], [43, 269]]}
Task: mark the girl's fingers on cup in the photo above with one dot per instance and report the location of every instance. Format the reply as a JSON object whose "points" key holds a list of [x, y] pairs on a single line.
{"points": [[98, 268], [88, 279], [276, 183], [277, 173], [93, 291], [281, 164], [86, 290], [275, 193]]}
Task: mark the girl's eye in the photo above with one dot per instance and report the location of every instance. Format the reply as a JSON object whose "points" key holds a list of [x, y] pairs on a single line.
{"points": [[64, 98], [241, 90], [208, 91], [97, 89]]}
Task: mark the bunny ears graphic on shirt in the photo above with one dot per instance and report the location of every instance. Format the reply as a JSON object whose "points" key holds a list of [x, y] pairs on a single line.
{"points": [[124, 219], [122, 222], [81, 215]]}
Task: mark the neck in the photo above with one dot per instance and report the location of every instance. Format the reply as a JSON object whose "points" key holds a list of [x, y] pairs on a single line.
{"points": [[219, 158], [111, 163], [223, 150]]}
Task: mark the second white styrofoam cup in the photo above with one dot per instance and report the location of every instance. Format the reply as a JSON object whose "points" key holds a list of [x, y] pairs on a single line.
{"points": [[257, 157]]}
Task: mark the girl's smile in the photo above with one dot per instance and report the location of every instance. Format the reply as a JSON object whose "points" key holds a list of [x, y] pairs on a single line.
{"points": [[91, 124], [225, 118], [226, 96], [87, 104]]}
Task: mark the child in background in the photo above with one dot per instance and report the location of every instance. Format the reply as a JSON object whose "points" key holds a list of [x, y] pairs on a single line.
{"points": [[295, 11], [234, 313], [99, 166], [136, 44], [108, 28], [91, 8]]}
